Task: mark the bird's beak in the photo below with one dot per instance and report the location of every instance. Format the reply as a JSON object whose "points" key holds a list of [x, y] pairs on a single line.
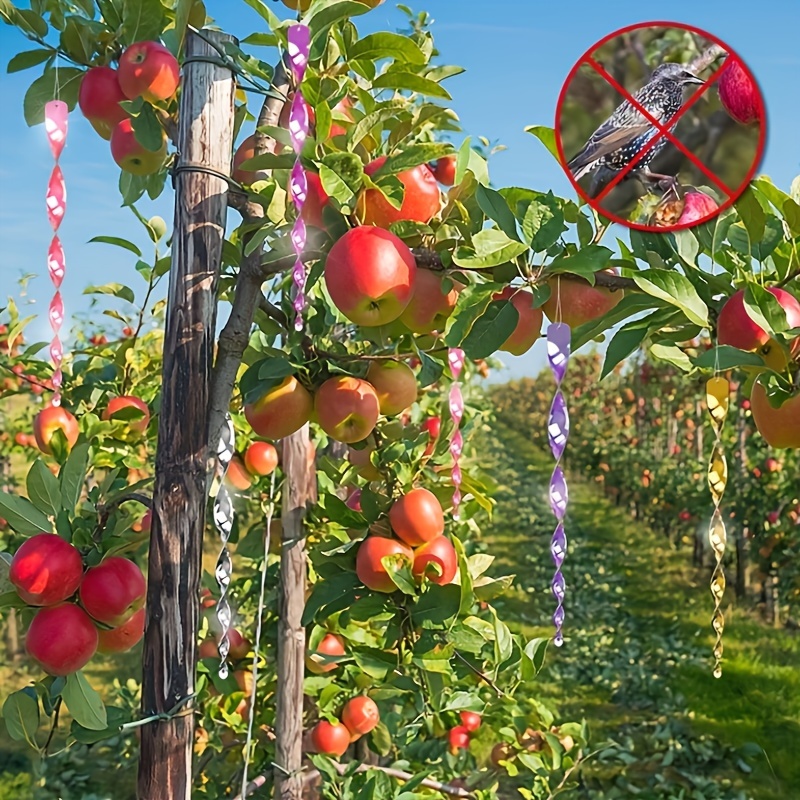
{"points": [[693, 79]]}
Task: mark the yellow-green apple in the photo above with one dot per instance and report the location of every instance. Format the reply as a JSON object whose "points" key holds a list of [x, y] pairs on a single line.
{"points": [[421, 199], [131, 155], [113, 591], [779, 427], [438, 551], [61, 639], [361, 458], [261, 458], [575, 301], [148, 70], [138, 422], [395, 384], [417, 517], [430, 305], [281, 411], [347, 408], [46, 570], [370, 275], [123, 637], [330, 645], [99, 99], [444, 170], [369, 567], [696, 208], [738, 92], [529, 325], [52, 419]]}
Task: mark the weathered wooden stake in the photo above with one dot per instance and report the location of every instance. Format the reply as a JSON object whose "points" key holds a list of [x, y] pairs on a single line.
{"points": [[205, 140], [299, 489]]}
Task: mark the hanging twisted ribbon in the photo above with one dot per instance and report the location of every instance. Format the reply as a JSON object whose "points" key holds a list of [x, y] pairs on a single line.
{"points": [[455, 358], [299, 42], [56, 115], [558, 353], [223, 519], [717, 401]]}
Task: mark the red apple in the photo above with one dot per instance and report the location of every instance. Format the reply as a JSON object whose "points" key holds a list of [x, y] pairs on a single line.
{"points": [[61, 639], [529, 326], [99, 99], [148, 70], [738, 92], [316, 200], [113, 591], [123, 637], [697, 207], [421, 200], [331, 645], [330, 738], [471, 720], [246, 151], [737, 329], [780, 427], [439, 551], [132, 156], [280, 412], [347, 408], [261, 458], [46, 570], [370, 275], [417, 517], [354, 500], [457, 739], [579, 301], [360, 715], [772, 465], [369, 568], [433, 425], [48, 421], [430, 305], [138, 423], [395, 384], [237, 476], [445, 170], [773, 517]]}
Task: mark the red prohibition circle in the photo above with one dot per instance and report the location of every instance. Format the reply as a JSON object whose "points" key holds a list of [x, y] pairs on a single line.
{"points": [[732, 195]]}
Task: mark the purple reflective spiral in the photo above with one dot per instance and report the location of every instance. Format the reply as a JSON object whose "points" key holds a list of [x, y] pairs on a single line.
{"points": [[299, 39], [558, 353]]}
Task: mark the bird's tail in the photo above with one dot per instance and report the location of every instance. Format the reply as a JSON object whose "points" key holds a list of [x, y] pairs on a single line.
{"points": [[579, 170]]}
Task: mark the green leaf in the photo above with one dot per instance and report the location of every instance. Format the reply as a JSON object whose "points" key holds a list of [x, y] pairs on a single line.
{"points": [[752, 214], [675, 289], [623, 343], [321, 21], [118, 242], [764, 309], [377, 46], [630, 304], [147, 129], [724, 357], [84, 703], [342, 176], [21, 715], [543, 223], [142, 20], [62, 85], [586, 262], [261, 8], [399, 570], [22, 515], [28, 59], [491, 248], [358, 131], [73, 475], [43, 488], [672, 354], [410, 82], [183, 10], [491, 329], [503, 642], [412, 157], [117, 717], [269, 161], [533, 657], [471, 161], [430, 371], [114, 289], [547, 136], [494, 205]]}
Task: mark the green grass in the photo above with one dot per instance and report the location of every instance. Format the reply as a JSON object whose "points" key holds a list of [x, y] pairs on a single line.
{"points": [[637, 659]]}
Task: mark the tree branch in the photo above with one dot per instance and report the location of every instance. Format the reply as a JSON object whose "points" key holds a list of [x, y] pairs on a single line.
{"points": [[707, 58], [235, 336]]}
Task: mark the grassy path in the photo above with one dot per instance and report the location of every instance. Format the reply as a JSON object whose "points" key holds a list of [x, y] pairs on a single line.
{"points": [[636, 662]]}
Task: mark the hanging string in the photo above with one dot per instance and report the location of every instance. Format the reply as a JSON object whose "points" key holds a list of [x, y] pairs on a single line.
{"points": [[455, 358], [717, 402], [223, 519], [56, 115], [259, 624], [558, 354], [299, 38]]}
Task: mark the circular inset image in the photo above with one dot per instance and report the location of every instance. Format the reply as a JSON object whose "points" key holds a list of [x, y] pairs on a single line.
{"points": [[660, 126]]}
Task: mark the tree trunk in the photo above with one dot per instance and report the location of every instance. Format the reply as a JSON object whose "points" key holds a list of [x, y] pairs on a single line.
{"points": [[183, 457], [299, 490], [772, 609]]}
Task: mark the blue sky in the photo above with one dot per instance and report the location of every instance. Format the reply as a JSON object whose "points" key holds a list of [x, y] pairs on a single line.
{"points": [[517, 54]]}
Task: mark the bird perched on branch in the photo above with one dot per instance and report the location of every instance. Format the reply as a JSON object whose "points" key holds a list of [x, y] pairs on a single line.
{"points": [[623, 135]]}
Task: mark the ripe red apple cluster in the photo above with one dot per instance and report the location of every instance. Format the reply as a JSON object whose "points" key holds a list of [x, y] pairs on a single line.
{"points": [[147, 70], [458, 736], [260, 459], [360, 715], [47, 572]]}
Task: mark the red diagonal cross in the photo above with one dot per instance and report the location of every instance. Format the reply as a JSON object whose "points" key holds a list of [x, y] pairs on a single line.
{"points": [[663, 131]]}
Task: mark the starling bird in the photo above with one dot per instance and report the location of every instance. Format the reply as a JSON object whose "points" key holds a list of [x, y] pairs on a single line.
{"points": [[623, 135]]}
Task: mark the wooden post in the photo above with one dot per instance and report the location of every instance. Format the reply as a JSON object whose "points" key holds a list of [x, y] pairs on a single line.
{"points": [[205, 139], [299, 489]]}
